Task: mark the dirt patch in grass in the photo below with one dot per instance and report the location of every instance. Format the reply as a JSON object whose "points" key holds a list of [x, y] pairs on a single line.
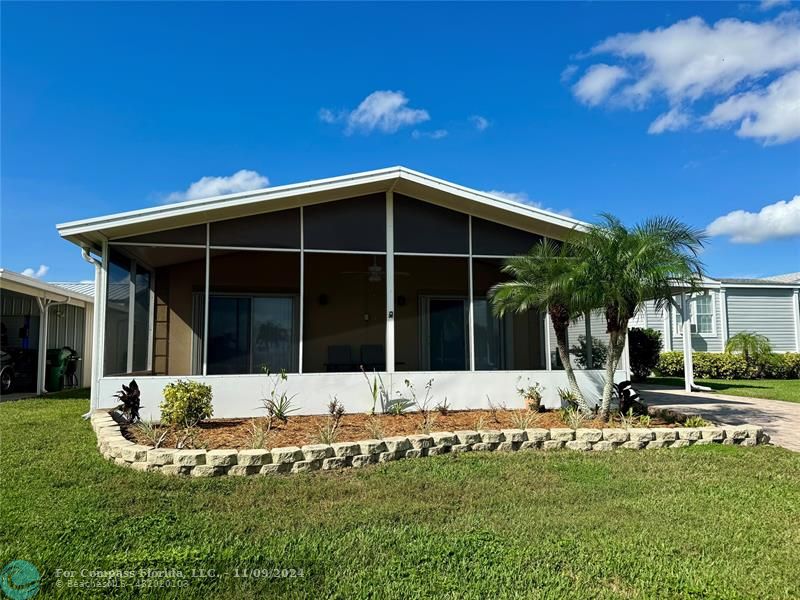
{"points": [[300, 430]]}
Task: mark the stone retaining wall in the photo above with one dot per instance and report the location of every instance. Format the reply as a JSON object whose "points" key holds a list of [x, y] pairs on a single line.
{"points": [[294, 459]]}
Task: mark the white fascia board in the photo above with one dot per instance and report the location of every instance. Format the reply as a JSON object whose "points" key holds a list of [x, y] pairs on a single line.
{"points": [[188, 207], [492, 200], [22, 284]]}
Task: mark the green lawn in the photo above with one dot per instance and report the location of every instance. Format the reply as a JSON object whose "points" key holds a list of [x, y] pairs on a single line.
{"points": [[772, 389], [703, 522]]}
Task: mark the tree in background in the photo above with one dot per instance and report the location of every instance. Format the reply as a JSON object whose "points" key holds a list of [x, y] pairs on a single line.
{"points": [[644, 346], [754, 348]]}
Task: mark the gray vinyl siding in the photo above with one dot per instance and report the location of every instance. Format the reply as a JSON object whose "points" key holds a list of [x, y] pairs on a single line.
{"points": [[765, 311]]}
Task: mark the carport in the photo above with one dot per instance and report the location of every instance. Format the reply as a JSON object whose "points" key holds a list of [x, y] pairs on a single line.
{"points": [[39, 316]]}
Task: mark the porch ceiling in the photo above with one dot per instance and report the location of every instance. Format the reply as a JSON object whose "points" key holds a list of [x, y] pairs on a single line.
{"points": [[92, 231]]}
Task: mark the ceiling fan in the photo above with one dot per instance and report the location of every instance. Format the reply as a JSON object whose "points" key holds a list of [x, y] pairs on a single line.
{"points": [[374, 273]]}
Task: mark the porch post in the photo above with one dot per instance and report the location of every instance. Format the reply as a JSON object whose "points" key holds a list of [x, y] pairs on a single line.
{"points": [[99, 333], [41, 363], [302, 294], [796, 311], [471, 319], [548, 358], [723, 315], [389, 281], [205, 300], [667, 328], [688, 365]]}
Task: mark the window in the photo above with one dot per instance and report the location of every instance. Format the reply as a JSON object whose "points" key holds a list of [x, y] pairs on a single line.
{"points": [[704, 314], [141, 319], [701, 315]]}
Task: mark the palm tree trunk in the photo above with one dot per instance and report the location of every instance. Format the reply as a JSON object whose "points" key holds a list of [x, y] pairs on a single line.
{"points": [[563, 354], [616, 346]]}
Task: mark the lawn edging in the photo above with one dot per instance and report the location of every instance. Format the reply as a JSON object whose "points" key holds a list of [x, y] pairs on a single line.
{"points": [[295, 459]]}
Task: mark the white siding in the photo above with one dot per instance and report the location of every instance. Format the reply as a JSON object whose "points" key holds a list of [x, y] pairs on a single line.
{"points": [[765, 311]]}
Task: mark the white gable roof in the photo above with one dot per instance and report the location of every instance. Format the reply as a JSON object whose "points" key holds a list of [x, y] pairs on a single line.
{"points": [[400, 179]]}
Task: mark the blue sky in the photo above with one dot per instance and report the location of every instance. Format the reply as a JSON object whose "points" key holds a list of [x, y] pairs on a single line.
{"points": [[110, 107]]}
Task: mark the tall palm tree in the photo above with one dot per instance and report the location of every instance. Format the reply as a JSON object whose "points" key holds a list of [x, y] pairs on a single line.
{"points": [[619, 268], [540, 281]]}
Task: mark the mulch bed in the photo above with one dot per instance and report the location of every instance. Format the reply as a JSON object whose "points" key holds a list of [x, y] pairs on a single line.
{"points": [[301, 430]]}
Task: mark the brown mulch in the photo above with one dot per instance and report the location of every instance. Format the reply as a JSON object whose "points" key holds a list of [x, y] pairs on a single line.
{"points": [[300, 430]]}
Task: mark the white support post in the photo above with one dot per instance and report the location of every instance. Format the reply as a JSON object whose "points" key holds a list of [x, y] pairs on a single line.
{"points": [[41, 364], [688, 365], [723, 316], [626, 355], [206, 299], [471, 319], [389, 282], [100, 306], [796, 311], [548, 358], [301, 316]]}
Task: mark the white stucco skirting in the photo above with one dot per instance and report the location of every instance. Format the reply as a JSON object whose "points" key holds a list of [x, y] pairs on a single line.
{"points": [[239, 396], [294, 459]]}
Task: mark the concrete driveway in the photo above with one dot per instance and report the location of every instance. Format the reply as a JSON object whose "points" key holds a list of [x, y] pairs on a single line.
{"points": [[780, 420]]}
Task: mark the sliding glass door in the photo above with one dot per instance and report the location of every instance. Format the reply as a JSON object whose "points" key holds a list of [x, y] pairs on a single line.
{"points": [[248, 334]]}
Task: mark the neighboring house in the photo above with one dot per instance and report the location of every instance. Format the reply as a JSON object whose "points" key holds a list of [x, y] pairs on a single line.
{"points": [[386, 269], [38, 316], [726, 307]]}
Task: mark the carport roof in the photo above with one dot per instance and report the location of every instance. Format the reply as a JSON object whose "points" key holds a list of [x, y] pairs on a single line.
{"points": [[73, 291]]}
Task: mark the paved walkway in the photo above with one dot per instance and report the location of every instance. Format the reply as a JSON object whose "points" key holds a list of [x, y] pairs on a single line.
{"points": [[780, 420]]}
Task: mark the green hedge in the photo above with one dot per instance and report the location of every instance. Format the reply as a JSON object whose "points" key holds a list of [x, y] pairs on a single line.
{"points": [[708, 365]]}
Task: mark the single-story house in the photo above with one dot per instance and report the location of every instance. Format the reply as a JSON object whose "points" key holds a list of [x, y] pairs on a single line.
{"points": [[386, 270], [35, 317], [725, 307]]}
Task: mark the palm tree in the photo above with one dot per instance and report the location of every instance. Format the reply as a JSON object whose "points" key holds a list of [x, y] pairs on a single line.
{"points": [[619, 268], [752, 345], [541, 282]]}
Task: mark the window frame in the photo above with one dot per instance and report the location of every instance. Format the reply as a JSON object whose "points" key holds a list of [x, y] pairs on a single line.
{"points": [[677, 330]]}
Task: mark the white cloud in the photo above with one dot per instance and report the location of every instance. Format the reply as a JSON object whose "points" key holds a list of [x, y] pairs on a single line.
{"points": [[568, 73], [774, 221], [38, 273], [597, 83], [672, 120], [205, 187], [691, 60], [437, 134], [523, 198], [771, 115], [480, 123], [383, 110], [770, 4]]}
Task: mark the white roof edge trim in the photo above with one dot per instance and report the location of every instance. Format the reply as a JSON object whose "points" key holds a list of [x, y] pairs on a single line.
{"points": [[19, 278], [481, 196], [318, 185]]}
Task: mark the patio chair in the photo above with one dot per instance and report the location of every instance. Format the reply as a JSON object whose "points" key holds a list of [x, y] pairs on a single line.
{"points": [[373, 357], [340, 358]]}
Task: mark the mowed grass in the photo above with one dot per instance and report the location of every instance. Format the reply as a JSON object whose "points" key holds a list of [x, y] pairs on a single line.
{"points": [[702, 522], [771, 389]]}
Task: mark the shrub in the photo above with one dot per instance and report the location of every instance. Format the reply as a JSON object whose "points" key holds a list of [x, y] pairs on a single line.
{"points": [[129, 402], [695, 421], [708, 365], [792, 362], [186, 403], [645, 346]]}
